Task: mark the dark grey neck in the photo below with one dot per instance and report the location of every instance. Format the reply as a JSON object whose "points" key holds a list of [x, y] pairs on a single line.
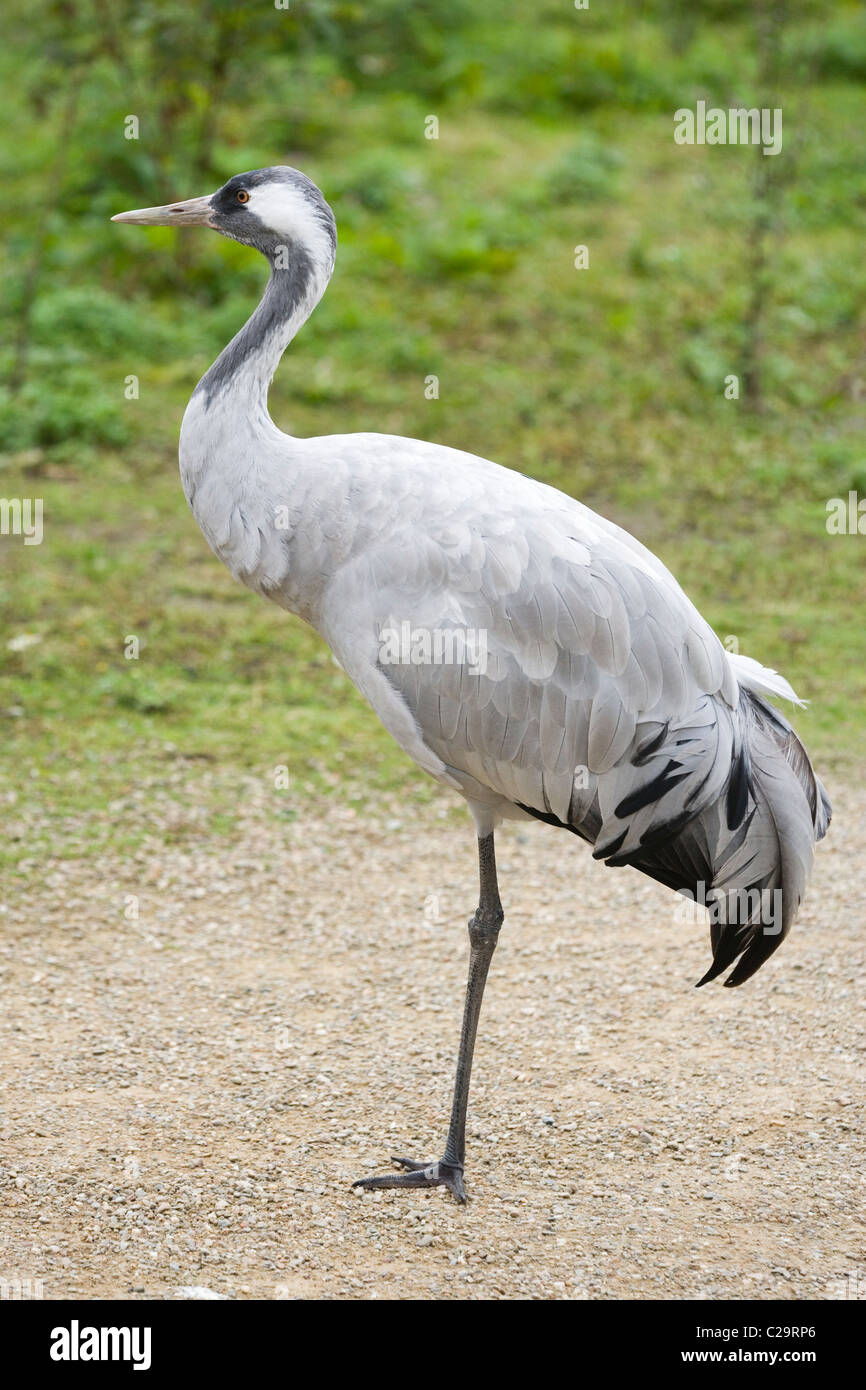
{"points": [[246, 366]]}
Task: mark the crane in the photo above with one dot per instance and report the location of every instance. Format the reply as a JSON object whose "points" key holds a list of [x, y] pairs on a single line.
{"points": [[523, 650]]}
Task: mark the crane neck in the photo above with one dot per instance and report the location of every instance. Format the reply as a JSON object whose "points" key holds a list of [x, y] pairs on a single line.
{"points": [[245, 368]]}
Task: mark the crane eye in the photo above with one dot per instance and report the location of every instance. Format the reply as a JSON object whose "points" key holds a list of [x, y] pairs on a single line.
{"points": [[243, 196]]}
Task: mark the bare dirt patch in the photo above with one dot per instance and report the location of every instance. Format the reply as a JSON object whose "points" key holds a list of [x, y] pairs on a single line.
{"points": [[186, 1096]]}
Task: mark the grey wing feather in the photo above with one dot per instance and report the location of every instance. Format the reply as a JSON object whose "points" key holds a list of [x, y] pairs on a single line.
{"points": [[577, 666]]}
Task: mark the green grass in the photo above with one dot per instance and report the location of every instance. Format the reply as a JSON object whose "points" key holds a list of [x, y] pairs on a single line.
{"points": [[456, 258]]}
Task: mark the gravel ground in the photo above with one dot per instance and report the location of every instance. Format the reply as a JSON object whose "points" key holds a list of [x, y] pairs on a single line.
{"points": [[186, 1096]]}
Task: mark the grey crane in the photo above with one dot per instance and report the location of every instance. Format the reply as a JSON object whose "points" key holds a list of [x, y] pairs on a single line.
{"points": [[525, 652]]}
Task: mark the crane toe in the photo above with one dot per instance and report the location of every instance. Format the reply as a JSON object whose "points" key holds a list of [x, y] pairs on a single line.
{"points": [[437, 1174]]}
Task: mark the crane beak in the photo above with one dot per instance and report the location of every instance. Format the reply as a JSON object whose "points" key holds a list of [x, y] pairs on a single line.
{"points": [[195, 212]]}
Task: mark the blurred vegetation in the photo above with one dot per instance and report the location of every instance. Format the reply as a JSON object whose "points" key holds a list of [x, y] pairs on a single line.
{"points": [[456, 259]]}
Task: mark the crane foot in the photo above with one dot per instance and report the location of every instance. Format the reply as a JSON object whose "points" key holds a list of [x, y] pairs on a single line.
{"points": [[438, 1174]]}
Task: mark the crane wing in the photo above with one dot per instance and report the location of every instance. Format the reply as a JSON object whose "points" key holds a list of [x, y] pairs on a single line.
{"points": [[547, 660]]}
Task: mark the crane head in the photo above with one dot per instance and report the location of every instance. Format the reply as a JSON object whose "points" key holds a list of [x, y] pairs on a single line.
{"points": [[277, 210]]}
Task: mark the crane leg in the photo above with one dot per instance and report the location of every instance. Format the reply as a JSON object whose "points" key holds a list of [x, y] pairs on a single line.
{"points": [[483, 935]]}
